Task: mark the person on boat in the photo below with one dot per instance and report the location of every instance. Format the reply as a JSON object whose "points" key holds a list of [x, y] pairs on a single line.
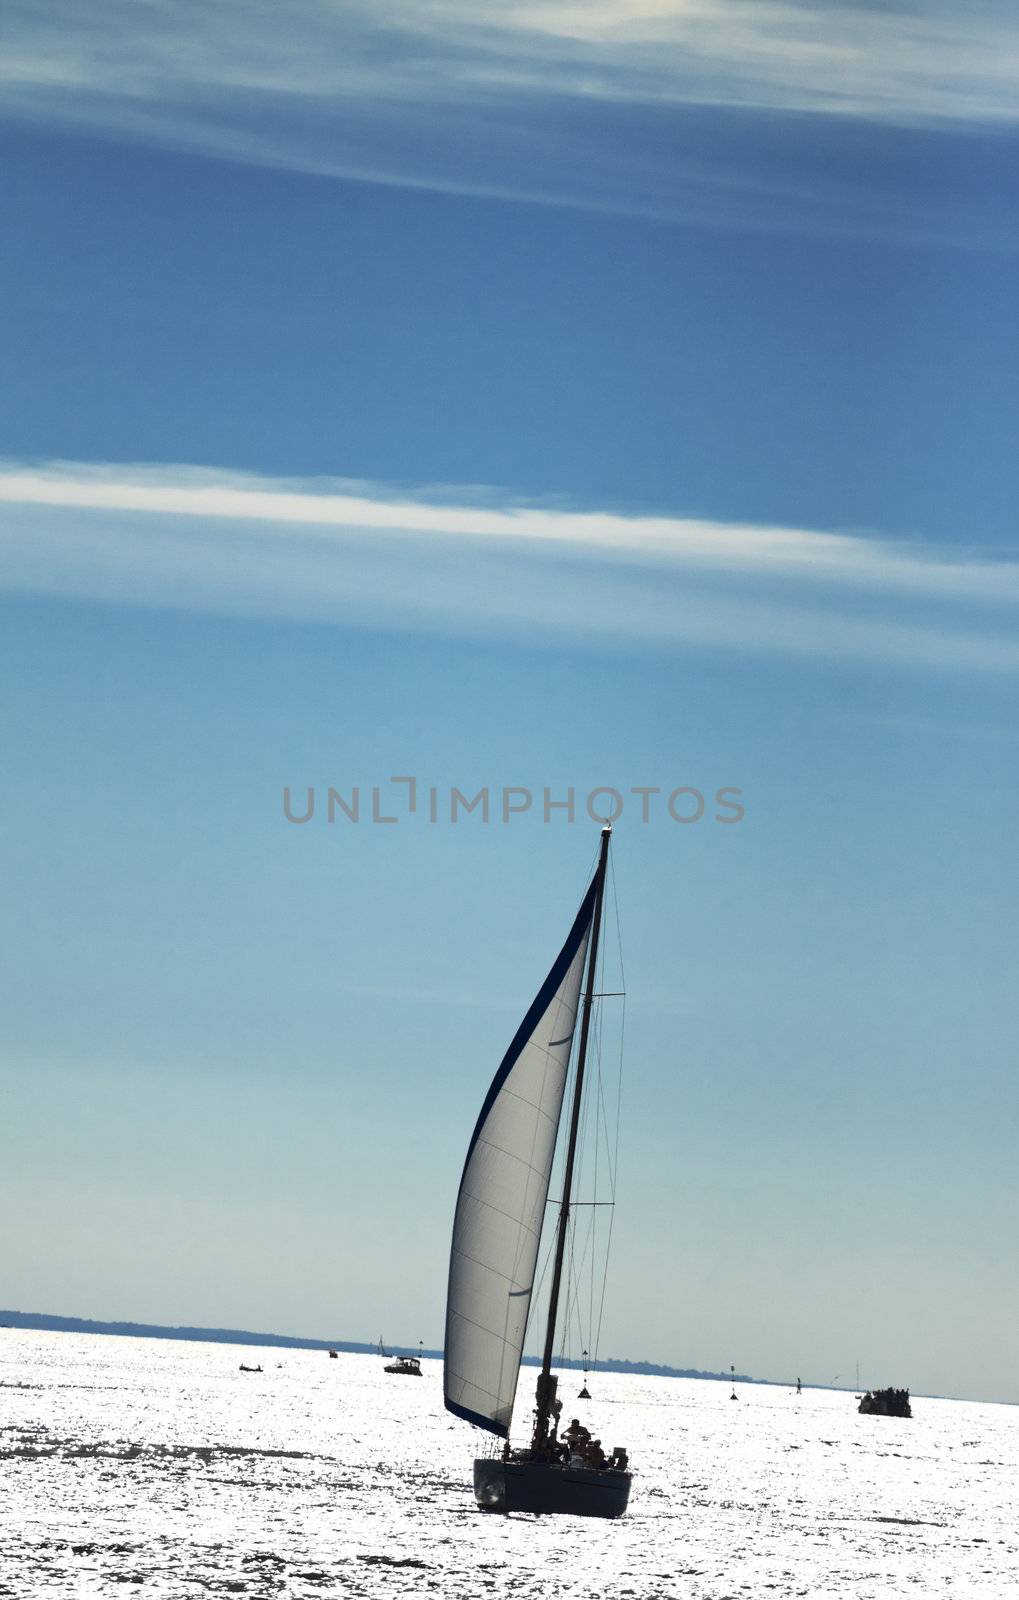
{"points": [[576, 1436], [619, 1460], [576, 1440]]}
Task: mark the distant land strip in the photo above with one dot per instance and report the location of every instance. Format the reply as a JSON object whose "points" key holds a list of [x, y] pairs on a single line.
{"points": [[42, 1322]]}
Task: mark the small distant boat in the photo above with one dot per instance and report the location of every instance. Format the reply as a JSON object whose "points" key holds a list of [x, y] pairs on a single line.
{"points": [[249, 1369], [405, 1366], [333, 1356], [885, 1403], [496, 1233]]}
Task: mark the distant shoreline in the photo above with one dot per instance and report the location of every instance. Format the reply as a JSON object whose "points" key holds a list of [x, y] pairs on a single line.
{"points": [[44, 1322]]}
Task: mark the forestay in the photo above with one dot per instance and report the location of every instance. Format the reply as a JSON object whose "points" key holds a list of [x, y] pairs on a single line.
{"points": [[501, 1204]]}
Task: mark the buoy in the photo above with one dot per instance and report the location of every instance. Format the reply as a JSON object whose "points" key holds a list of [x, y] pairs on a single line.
{"points": [[584, 1395]]}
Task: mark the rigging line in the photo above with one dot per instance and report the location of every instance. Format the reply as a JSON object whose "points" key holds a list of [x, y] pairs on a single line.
{"points": [[534, 1321], [604, 1127], [595, 1190], [601, 1119], [578, 1262], [577, 1319], [591, 1127], [592, 868], [622, 1017], [614, 1165], [621, 1029], [566, 1301], [583, 1139], [612, 1218], [574, 1297], [619, 1098], [602, 1123], [590, 1102], [594, 1257], [570, 1297], [579, 1171], [619, 931], [601, 1304]]}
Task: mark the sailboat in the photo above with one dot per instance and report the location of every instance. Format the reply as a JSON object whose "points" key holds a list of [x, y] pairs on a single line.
{"points": [[496, 1235]]}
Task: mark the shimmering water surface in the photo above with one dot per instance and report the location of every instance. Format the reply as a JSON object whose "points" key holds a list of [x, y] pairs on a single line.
{"points": [[161, 1466]]}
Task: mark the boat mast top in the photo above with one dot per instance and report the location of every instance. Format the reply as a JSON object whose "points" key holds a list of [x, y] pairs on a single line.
{"points": [[546, 1386]]}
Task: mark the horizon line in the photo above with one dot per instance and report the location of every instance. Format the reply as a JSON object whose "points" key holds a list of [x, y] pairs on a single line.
{"points": [[32, 1322]]}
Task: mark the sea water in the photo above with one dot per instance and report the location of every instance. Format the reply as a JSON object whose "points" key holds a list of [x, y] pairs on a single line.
{"points": [[156, 1465]]}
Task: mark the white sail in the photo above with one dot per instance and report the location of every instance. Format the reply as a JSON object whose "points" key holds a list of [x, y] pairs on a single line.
{"points": [[501, 1205]]}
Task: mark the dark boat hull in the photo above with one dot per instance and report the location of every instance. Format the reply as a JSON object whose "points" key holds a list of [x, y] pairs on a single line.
{"points": [[885, 1403], [542, 1486]]}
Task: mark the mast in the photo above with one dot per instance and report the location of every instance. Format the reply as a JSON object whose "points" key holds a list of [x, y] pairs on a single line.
{"points": [[546, 1383]]}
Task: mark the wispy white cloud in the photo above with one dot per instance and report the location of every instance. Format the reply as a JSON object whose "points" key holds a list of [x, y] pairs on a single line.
{"points": [[326, 509], [180, 536], [887, 61], [521, 99]]}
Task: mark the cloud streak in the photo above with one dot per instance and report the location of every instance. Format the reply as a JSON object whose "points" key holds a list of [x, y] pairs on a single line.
{"points": [[889, 62], [328, 551], [327, 509], [568, 104]]}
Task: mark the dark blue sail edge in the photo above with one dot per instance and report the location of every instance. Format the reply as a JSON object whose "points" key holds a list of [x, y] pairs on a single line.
{"points": [[537, 1009], [477, 1419]]}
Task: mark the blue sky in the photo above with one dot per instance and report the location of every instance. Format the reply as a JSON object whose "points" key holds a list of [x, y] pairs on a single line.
{"points": [[613, 395]]}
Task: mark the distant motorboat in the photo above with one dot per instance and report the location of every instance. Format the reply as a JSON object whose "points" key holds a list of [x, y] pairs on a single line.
{"points": [[249, 1369], [405, 1366], [885, 1403], [333, 1356]]}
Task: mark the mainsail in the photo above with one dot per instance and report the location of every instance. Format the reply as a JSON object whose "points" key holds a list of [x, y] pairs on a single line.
{"points": [[501, 1204]]}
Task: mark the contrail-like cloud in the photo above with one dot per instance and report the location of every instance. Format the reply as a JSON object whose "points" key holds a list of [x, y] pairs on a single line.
{"points": [[335, 550], [327, 508]]}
